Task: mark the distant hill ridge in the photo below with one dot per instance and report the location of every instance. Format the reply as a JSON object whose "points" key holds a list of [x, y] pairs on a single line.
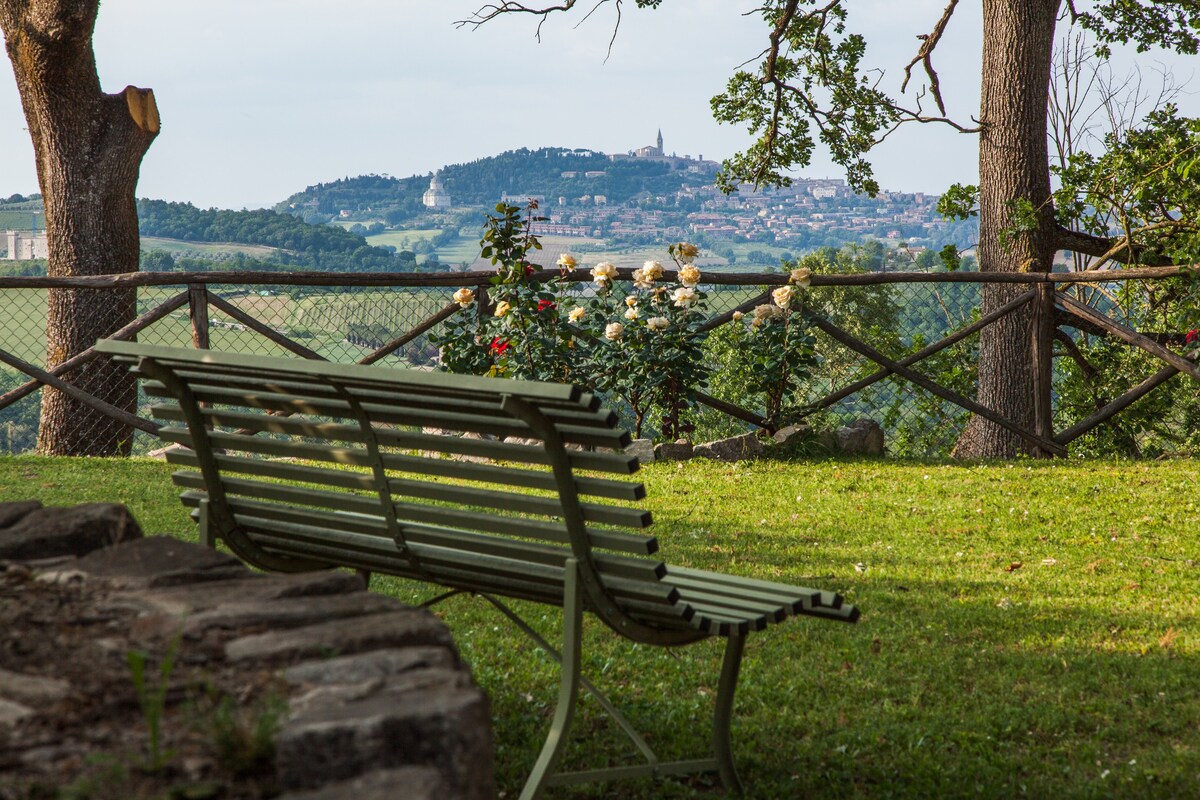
{"points": [[551, 172]]}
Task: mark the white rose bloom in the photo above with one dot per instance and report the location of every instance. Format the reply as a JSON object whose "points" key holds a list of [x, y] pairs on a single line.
{"points": [[765, 311], [631, 313], [737, 316], [576, 314], [686, 252], [689, 275], [802, 277], [603, 272], [502, 308], [783, 296], [684, 296], [653, 270], [631, 301], [613, 331], [567, 261], [641, 279], [657, 323], [464, 297]]}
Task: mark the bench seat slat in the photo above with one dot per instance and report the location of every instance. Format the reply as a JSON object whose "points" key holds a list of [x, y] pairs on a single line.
{"points": [[345, 479], [434, 559], [496, 426], [329, 523], [793, 598], [350, 373], [417, 513], [223, 389], [445, 468], [410, 440], [450, 567], [827, 599]]}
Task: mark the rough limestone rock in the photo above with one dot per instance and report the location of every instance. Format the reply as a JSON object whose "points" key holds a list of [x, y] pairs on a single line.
{"points": [[51, 532], [642, 450], [159, 561], [343, 637], [410, 783], [735, 448], [31, 689], [861, 438], [803, 435], [431, 717], [11, 512], [12, 713], [674, 451]]}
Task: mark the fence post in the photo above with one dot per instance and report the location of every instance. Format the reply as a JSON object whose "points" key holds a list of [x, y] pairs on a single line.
{"points": [[1042, 335], [198, 311]]}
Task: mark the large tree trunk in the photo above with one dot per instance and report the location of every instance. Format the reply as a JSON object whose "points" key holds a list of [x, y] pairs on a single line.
{"points": [[89, 147], [1018, 41]]}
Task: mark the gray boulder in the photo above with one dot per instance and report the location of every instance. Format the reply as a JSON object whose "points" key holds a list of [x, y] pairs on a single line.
{"points": [[735, 448], [861, 438], [52, 532]]}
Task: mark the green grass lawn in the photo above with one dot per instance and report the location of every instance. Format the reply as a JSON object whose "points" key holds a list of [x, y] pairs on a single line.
{"points": [[1028, 629]]}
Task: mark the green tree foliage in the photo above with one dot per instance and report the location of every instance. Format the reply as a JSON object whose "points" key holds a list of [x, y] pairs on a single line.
{"points": [[484, 181], [323, 247]]}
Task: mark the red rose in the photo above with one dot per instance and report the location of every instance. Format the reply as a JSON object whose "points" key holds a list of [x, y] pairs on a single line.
{"points": [[544, 304], [1191, 336], [499, 345], [529, 270]]}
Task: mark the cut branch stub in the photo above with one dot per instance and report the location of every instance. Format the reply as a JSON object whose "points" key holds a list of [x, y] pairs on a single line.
{"points": [[142, 108]]}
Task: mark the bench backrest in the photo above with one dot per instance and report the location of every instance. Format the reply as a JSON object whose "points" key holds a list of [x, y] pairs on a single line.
{"points": [[467, 482]]}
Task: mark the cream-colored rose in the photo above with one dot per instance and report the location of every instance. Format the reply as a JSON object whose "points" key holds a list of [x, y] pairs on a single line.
{"points": [[657, 323], [631, 301], [783, 296], [631, 313], [613, 331], [802, 277], [576, 314], [756, 322], [737, 316], [684, 296], [689, 275], [604, 272], [765, 311], [464, 297], [686, 252], [502, 308], [567, 261], [645, 275]]}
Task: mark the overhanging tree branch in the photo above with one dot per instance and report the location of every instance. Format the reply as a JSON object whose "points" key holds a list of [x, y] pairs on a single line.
{"points": [[925, 56]]}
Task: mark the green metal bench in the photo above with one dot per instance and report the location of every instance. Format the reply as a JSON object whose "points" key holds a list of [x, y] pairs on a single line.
{"points": [[300, 465]]}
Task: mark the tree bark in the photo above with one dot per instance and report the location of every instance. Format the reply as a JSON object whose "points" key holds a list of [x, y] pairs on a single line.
{"points": [[1018, 41], [88, 147]]}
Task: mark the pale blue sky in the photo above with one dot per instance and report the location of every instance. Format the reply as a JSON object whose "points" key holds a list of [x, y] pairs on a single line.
{"points": [[259, 99]]}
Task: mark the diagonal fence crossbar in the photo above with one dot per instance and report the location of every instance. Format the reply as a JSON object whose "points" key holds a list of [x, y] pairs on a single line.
{"points": [[199, 301]]}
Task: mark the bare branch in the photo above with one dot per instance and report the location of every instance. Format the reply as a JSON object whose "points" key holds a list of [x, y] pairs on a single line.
{"points": [[925, 56]]}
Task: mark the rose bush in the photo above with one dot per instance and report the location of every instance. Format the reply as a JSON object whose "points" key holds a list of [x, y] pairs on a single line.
{"points": [[649, 351]]}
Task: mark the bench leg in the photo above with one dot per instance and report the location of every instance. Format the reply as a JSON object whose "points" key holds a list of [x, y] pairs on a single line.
{"points": [[568, 689], [207, 539], [722, 746]]}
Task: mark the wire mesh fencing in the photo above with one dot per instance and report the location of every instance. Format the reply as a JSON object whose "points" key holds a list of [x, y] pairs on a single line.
{"points": [[397, 324]]}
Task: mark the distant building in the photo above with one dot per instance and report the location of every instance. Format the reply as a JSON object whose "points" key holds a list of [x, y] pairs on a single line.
{"points": [[651, 150], [523, 199], [436, 196], [24, 246]]}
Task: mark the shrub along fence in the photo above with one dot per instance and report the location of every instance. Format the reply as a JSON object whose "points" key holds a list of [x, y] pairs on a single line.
{"points": [[898, 347]]}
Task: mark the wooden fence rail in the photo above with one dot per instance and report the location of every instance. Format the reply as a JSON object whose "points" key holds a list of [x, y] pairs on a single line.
{"points": [[1051, 308]]}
